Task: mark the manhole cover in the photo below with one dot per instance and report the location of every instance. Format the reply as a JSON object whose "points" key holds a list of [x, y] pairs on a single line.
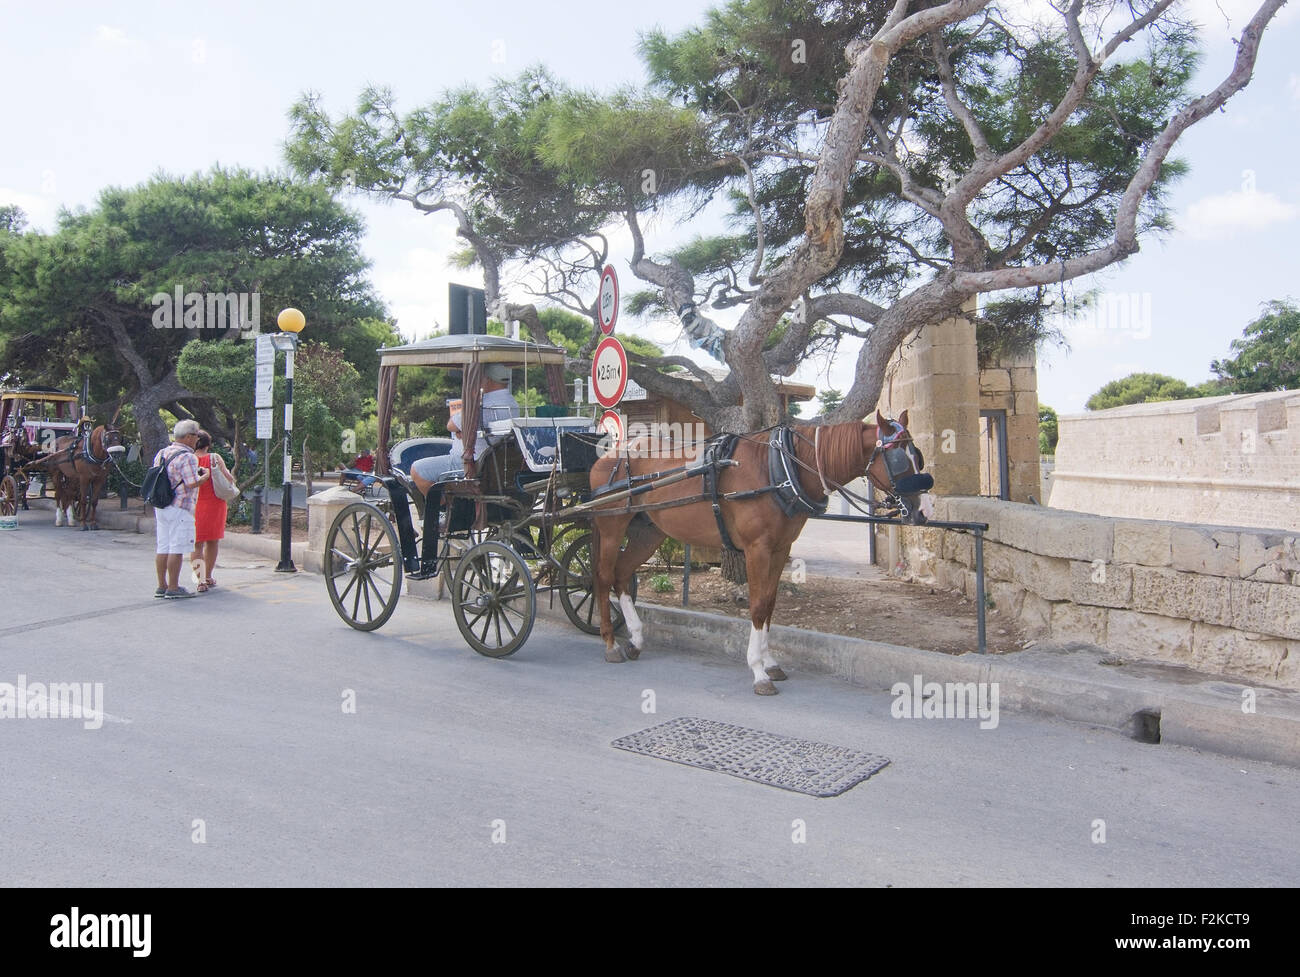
{"points": [[819, 769]]}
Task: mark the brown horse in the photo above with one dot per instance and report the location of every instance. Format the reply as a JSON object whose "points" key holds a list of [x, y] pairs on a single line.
{"points": [[85, 465], [17, 451], [826, 457]]}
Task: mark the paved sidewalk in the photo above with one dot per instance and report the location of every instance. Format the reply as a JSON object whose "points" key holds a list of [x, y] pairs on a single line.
{"points": [[1074, 682]]}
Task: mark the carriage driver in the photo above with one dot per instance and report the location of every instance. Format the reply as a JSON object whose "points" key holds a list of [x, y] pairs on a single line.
{"points": [[498, 405]]}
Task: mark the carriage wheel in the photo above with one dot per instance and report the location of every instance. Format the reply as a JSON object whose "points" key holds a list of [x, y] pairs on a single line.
{"points": [[9, 496], [452, 548], [493, 599], [577, 590], [363, 566]]}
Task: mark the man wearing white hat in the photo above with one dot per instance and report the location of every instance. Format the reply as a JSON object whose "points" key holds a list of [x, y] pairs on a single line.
{"points": [[498, 404], [174, 525]]}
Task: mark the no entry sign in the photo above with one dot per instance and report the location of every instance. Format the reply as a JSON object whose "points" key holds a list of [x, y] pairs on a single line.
{"points": [[611, 423], [609, 372], [607, 306]]}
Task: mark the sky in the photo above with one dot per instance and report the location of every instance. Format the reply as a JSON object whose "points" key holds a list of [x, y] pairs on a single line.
{"points": [[99, 95]]}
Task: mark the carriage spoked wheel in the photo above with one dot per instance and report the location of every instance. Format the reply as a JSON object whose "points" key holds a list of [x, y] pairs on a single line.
{"points": [[363, 566], [577, 587], [9, 497], [493, 599]]}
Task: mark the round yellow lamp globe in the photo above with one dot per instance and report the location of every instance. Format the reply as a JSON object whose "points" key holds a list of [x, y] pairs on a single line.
{"points": [[291, 320]]}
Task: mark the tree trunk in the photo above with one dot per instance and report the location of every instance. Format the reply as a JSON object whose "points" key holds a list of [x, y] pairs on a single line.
{"points": [[153, 432], [733, 567]]}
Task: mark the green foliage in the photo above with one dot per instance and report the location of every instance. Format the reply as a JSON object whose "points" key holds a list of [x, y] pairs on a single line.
{"points": [[1014, 326], [671, 551], [134, 475], [1267, 354], [1140, 388], [767, 71], [221, 371], [661, 583], [67, 297], [12, 219], [829, 400], [326, 397], [1047, 430]]}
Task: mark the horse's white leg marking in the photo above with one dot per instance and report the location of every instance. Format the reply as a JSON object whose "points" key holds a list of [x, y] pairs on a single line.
{"points": [[768, 660], [632, 619], [754, 656]]}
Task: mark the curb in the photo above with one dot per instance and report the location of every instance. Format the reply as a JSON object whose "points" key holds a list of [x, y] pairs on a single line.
{"points": [[1189, 708], [266, 547]]}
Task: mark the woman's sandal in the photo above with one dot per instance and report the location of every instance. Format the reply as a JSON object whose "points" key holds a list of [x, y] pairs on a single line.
{"points": [[203, 588], [210, 583]]}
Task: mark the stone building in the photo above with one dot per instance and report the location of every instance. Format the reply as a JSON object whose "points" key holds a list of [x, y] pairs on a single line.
{"points": [[1220, 460]]}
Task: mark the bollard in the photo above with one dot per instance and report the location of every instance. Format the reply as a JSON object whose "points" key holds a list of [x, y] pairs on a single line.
{"points": [[686, 576], [257, 509]]}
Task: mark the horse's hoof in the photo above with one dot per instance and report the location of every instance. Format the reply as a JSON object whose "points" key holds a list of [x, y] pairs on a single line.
{"points": [[95, 528], [765, 687], [615, 655], [85, 528], [776, 674], [632, 651]]}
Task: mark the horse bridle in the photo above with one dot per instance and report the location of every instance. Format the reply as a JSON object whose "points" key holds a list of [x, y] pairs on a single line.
{"points": [[88, 446], [903, 461]]}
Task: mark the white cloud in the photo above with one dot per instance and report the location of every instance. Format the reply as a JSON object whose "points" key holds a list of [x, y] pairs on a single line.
{"points": [[1293, 86], [40, 211], [112, 37], [1242, 210]]}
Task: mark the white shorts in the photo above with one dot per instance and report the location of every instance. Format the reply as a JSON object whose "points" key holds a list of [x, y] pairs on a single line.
{"points": [[174, 528]]}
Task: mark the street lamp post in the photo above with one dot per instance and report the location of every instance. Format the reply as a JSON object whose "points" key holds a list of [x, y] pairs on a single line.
{"points": [[291, 322]]}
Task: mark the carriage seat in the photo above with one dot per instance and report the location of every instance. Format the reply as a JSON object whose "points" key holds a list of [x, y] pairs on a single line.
{"points": [[540, 438], [406, 453]]}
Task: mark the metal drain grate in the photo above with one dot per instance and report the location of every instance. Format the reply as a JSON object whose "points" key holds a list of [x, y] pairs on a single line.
{"points": [[805, 766]]}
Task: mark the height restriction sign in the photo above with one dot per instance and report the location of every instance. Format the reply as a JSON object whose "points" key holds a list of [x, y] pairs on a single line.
{"points": [[609, 372], [607, 304]]}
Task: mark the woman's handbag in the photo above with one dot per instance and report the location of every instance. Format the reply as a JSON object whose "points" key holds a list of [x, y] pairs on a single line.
{"points": [[222, 485]]}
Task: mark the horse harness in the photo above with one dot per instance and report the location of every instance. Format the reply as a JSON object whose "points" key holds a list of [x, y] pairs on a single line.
{"points": [[783, 481]]}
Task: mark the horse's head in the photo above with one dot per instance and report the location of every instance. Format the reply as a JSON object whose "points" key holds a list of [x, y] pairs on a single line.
{"points": [[897, 468], [110, 439]]}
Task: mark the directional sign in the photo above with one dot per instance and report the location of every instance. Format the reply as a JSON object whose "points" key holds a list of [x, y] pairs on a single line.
{"points": [[609, 372], [611, 423], [264, 381], [634, 391], [607, 307]]}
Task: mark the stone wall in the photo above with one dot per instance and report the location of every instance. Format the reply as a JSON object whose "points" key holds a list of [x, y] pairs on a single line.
{"points": [[1011, 385], [934, 376], [1215, 460], [1224, 600]]}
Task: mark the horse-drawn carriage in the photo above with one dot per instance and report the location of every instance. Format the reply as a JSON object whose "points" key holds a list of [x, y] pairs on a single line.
{"points": [[547, 510], [42, 433], [499, 532], [32, 419]]}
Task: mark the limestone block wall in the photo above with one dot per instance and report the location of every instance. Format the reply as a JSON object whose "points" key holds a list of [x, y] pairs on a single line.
{"points": [[934, 375], [1215, 460], [1012, 385], [1221, 599]]}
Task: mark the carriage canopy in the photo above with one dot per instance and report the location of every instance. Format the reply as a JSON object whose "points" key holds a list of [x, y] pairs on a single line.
{"points": [[465, 352], [38, 404]]}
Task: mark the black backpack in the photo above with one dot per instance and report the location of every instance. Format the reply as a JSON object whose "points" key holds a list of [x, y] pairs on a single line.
{"points": [[156, 489]]}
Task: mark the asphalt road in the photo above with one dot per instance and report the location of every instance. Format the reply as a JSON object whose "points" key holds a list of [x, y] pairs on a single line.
{"points": [[226, 758]]}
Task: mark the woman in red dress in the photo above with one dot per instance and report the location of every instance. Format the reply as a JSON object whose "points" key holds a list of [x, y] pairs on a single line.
{"points": [[209, 517]]}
